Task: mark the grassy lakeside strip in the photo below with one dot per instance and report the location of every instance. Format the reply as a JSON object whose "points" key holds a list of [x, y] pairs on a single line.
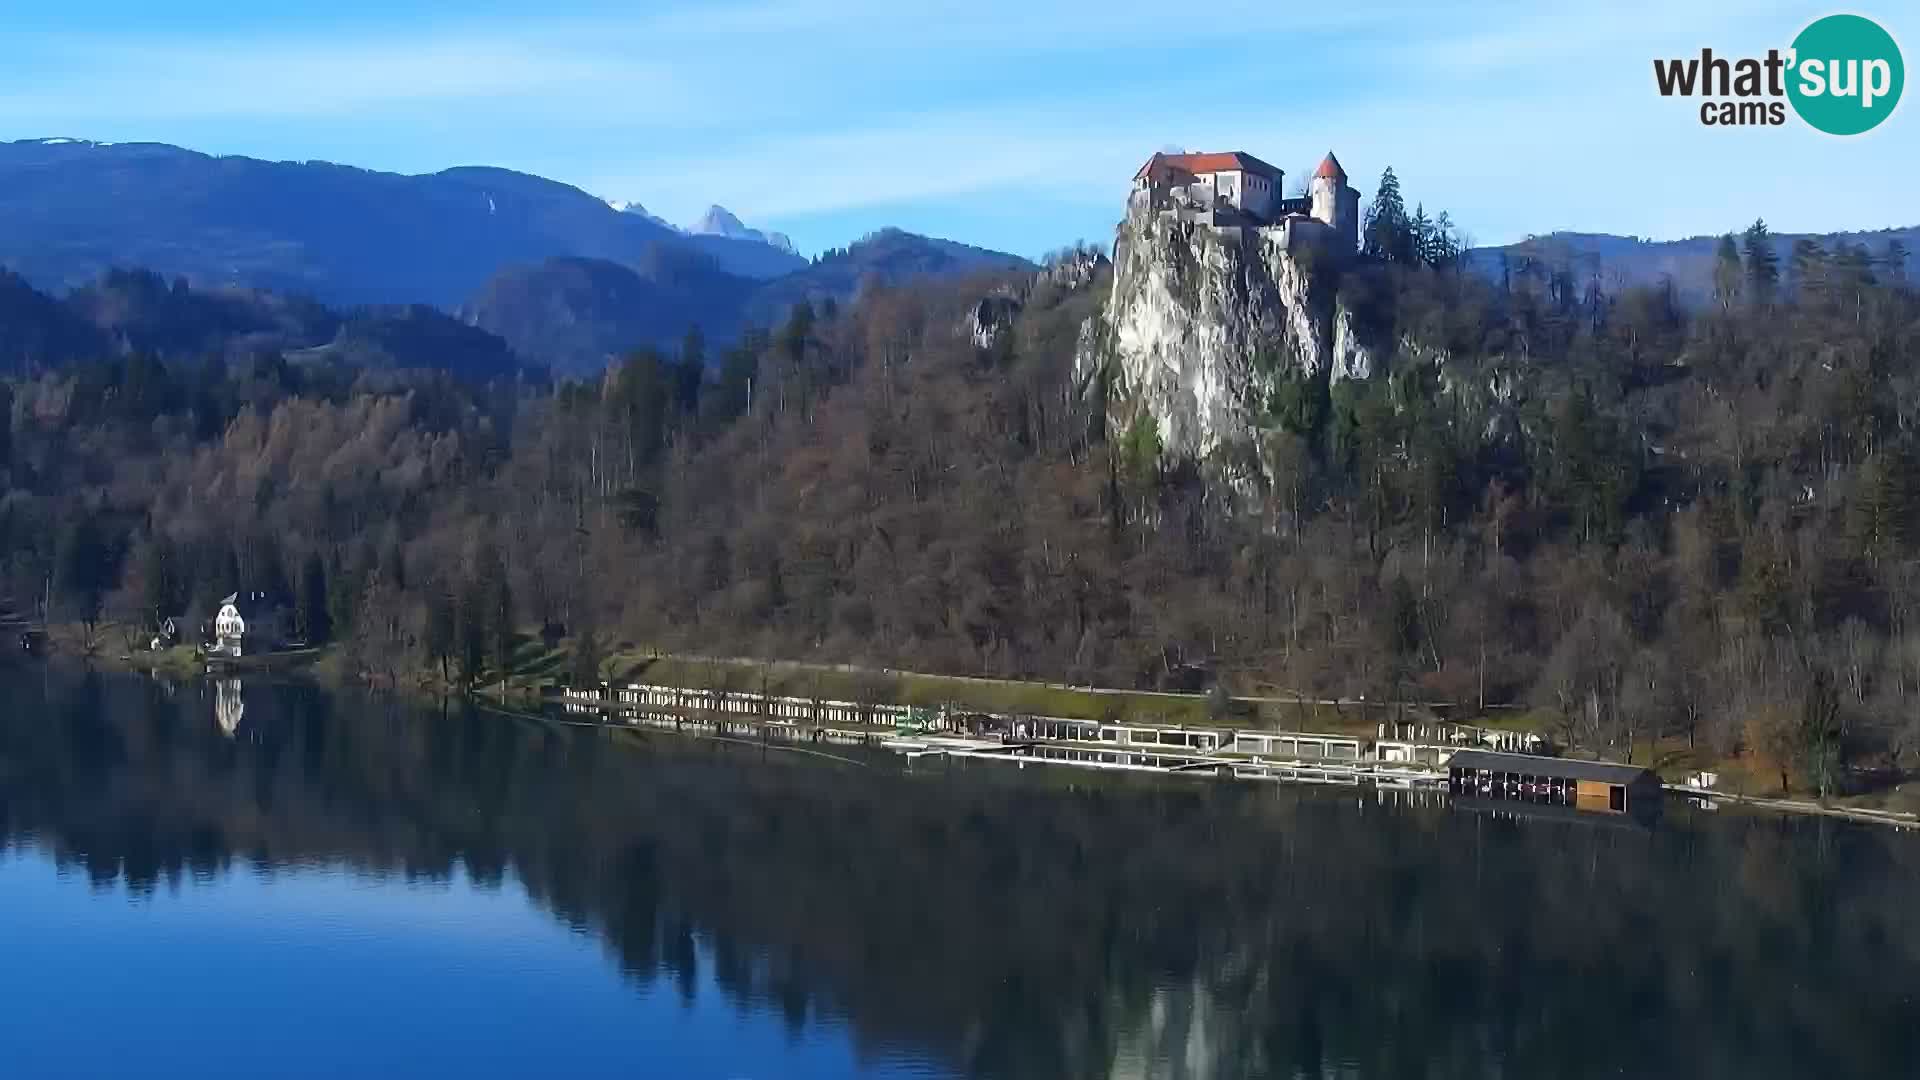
{"points": [[789, 678], [1744, 778], [538, 667]]}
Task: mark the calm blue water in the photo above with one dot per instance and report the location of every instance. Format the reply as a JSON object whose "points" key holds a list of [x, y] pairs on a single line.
{"points": [[273, 880], [325, 971]]}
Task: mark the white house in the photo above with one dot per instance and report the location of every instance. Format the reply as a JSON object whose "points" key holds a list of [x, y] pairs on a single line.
{"points": [[229, 628]]}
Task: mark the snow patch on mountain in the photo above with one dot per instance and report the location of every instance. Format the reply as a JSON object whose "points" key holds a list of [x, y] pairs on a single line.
{"points": [[719, 221], [625, 206]]}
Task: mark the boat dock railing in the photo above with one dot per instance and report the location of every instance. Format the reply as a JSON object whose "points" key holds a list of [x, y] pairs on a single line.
{"points": [[919, 732]]}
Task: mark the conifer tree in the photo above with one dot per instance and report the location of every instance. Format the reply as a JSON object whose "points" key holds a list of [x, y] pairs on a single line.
{"points": [[1763, 263], [470, 618], [1896, 261], [161, 578], [441, 630], [1386, 232], [6, 433], [1808, 264], [314, 620], [496, 596], [1726, 272], [85, 573]]}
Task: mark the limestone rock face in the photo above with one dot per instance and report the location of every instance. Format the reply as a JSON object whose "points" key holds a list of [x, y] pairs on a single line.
{"points": [[1202, 323], [989, 317], [1351, 359], [993, 315], [1075, 270]]}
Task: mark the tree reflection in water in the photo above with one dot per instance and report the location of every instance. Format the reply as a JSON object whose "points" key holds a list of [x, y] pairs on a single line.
{"points": [[1033, 923]]}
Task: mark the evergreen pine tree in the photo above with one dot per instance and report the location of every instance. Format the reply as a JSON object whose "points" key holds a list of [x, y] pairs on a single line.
{"points": [[1726, 272], [164, 585], [315, 620], [84, 570], [1762, 262], [344, 586], [441, 631], [1419, 235], [585, 668], [1808, 265], [470, 618], [1386, 225], [6, 434], [497, 595]]}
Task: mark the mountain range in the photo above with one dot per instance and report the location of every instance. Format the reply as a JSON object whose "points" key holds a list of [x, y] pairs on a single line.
{"points": [[71, 209], [566, 277]]}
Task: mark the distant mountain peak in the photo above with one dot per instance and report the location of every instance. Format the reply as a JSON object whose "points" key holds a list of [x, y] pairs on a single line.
{"points": [[625, 206], [720, 221]]}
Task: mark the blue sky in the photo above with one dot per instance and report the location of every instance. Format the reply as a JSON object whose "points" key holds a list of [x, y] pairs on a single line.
{"points": [[1015, 125]]}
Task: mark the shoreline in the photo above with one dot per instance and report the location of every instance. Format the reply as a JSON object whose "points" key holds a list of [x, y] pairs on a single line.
{"points": [[321, 665]]}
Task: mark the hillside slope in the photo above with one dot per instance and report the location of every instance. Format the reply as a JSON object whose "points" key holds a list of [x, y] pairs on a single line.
{"points": [[575, 313]]}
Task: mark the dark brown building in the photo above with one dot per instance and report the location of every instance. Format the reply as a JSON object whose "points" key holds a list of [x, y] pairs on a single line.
{"points": [[1601, 786]]}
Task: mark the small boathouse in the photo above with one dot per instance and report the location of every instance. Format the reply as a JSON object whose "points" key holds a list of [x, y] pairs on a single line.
{"points": [[1603, 786]]}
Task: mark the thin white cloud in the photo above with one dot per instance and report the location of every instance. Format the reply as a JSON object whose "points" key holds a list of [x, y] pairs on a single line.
{"points": [[272, 77]]}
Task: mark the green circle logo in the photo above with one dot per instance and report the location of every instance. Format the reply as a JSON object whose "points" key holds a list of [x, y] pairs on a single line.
{"points": [[1846, 76]]}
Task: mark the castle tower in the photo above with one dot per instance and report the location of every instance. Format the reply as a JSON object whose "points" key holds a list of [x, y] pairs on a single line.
{"points": [[1335, 203]]}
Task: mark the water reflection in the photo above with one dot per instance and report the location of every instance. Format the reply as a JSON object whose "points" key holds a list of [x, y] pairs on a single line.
{"points": [[1024, 923], [228, 707]]}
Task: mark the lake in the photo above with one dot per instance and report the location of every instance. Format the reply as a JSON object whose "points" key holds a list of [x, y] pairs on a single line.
{"points": [[217, 880]]}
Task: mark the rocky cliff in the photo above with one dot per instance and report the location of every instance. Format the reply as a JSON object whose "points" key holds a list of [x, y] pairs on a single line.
{"points": [[1203, 323]]}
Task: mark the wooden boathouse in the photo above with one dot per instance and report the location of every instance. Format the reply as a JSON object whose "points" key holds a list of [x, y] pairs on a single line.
{"points": [[1600, 786]]}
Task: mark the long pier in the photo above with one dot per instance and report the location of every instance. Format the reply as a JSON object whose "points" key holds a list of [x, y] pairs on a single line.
{"points": [[920, 733], [1409, 759]]}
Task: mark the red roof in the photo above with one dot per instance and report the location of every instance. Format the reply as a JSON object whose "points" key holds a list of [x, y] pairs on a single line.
{"points": [[1233, 161], [1330, 169]]}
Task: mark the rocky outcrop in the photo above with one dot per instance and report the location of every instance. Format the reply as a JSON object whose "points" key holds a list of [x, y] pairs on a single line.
{"points": [[1074, 269], [1203, 323], [1351, 359], [993, 314], [989, 317]]}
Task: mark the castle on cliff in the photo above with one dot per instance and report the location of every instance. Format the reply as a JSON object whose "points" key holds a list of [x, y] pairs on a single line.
{"points": [[1235, 191]]}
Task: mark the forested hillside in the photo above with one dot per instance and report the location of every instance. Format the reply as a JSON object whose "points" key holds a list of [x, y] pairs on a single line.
{"points": [[575, 314], [1640, 518], [1617, 262]]}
